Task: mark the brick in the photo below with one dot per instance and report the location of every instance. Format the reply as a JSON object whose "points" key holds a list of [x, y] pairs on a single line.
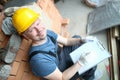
{"points": [[42, 3], [36, 78], [27, 68], [25, 45], [30, 76], [48, 8], [26, 76], [19, 55], [15, 67], [26, 55], [65, 22], [2, 35], [12, 78], [1, 18], [4, 43], [22, 55], [20, 71]]}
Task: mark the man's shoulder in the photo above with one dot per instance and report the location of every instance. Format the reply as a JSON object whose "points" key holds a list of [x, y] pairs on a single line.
{"points": [[52, 34]]}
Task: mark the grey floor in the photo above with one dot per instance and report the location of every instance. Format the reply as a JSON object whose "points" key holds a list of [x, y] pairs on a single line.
{"points": [[78, 12]]}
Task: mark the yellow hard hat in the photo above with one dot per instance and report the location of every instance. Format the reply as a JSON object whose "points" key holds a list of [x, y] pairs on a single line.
{"points": [[23, 18]]}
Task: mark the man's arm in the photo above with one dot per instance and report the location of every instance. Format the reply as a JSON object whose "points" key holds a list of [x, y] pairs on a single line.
{"points": [[66, 75], [68, 41], [71, 71]]}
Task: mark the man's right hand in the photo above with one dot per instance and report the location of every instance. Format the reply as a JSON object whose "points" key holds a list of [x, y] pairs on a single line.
{"points": [[82, 60], [88, 39]]}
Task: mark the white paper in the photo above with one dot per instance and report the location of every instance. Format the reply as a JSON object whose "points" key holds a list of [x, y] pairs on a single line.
{"points": [[97, 53]]}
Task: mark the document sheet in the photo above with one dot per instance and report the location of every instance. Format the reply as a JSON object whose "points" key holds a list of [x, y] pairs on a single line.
{"points": [[97, 53]]}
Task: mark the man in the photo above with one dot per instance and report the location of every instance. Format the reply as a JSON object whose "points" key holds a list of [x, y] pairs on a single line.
{"points": [[45, 61]]}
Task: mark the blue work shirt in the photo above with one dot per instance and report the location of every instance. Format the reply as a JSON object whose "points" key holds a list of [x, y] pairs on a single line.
{"points": [[44, 64]]}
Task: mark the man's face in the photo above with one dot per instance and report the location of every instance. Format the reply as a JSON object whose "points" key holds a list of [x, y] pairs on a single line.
{"points": [[37, 31]]}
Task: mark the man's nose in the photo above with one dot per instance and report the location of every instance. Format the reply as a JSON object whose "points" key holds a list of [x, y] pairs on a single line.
{"points": [[37, 29]]}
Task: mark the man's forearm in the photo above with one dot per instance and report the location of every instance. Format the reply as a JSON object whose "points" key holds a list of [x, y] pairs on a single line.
{"points": [[73, 41], [71, 71]]}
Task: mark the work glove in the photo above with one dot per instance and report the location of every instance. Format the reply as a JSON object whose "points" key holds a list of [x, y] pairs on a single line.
{"points": [[88, 39], [82, 60]]}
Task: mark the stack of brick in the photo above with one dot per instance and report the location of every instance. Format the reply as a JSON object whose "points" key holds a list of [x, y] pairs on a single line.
{"points": [[20, 66]]}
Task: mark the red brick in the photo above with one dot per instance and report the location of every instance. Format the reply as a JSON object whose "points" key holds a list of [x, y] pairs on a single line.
{"points": [[4, 43], [1, 18], [36, 78], [19, 55], [12, 78], [15, 67], [21, 70], [65, 22], [27, 68], [42, 3], [2, 35], [26, 76], [25, 45]]}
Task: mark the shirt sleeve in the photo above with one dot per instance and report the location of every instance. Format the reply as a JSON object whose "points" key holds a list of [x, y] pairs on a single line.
{"points": [[52, 34], [42, 67]]}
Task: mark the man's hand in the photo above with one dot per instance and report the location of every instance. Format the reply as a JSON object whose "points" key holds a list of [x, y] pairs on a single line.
{"points": [[88, 39], [82, 60]]}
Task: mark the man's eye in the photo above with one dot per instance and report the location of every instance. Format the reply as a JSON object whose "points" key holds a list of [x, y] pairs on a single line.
{"points": [[37, 24], [30, 31]]}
